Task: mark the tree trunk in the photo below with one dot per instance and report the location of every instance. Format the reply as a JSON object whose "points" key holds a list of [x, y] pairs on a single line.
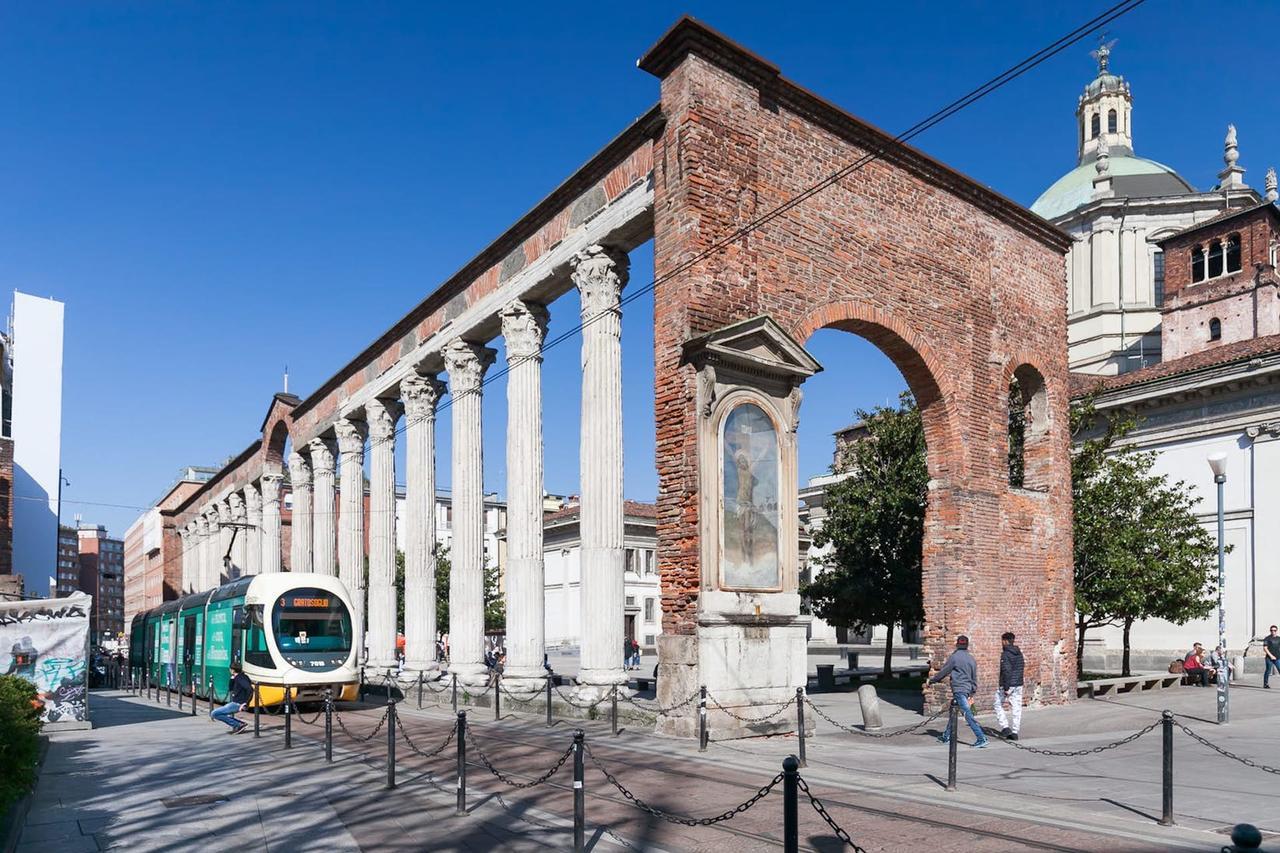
{"points": [[888, 653], [1081, 627], [1124, 661]]}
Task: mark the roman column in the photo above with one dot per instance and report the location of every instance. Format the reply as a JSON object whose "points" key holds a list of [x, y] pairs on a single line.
{"points": [[301, 535], [600, 274], [207, 545], [239, 536], [271, 521], [351, 437], [382, 416], [185, 535], [421, 394], [253, 535], [466, 364], [524, 325], [323, 516], [222, 570]]}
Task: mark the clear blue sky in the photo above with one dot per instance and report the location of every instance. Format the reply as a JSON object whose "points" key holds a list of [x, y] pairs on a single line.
{"points": [[216, 190]]}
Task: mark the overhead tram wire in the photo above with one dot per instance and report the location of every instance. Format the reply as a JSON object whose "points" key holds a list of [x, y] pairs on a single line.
{"points": [[1086, 29]]}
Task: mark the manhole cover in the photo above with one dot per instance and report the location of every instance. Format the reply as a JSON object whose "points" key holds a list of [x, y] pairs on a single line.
{"points": [[194, 800]]}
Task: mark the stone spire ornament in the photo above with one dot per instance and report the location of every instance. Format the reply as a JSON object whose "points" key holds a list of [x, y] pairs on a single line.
{"points": [[1271, 184], [1102, 181], [1232, 177]]}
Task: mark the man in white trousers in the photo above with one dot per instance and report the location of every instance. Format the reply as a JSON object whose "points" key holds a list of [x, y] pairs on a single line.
{"points": [[1010, 689]]}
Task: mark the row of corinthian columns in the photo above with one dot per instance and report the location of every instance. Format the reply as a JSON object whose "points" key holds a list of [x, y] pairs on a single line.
{"points": [[319, 521]]}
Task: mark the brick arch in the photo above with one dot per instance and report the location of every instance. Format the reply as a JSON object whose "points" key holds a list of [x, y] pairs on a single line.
{"points": [[1040, 452], [919, 366]]}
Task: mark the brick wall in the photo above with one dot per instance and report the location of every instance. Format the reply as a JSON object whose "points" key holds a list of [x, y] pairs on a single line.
{"points": [[6, 507], [958, 286]]}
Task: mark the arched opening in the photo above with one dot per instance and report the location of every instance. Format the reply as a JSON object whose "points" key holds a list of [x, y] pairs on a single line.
{"points": [[1030, 453], [1197, 264], [1111, 121], [1215, 259], [1233, 253], [1215, 329], [1095, 126]]}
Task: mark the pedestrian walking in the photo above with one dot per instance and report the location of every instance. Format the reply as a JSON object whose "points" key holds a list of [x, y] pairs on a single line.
{"points": [[962, 669], [239, 691], [1270, 656], [1010, 688]]}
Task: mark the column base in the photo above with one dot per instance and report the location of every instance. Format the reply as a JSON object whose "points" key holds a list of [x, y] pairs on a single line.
{"points": [[430, 670], [470, 674], [524, 686], [594, 684]]}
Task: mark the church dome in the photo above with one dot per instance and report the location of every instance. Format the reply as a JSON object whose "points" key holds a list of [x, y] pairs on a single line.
{"points": [[1132, 177]]}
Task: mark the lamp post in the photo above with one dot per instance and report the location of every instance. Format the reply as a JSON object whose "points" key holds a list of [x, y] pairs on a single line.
{"points": [[1218, 463]]}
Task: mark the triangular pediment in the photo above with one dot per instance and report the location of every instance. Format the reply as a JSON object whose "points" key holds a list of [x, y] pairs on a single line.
{"points": [[282, 403], [757, 345]]}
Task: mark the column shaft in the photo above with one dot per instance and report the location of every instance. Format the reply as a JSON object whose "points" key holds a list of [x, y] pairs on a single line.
{"points": [[600, 274], [523, 327], [210, 563], [421, 395], [351, 437], [323, 514], [301, 535], [382, 415], [185, 536], [239, 536], [271, 521], [466, 364], [222, 571], [253, 535]]}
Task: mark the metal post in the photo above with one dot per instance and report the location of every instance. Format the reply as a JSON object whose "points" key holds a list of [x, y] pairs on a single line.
{"points": [[328, 725], [179, 698], [548, 700], [168, 691], [951, 746], [288, 718], [613, 709], [419, 691], [1166, 775], [257, 711], [800, 723], [1224, 678], [195, 686], [702, 720], [790, 813], [455, 692], [391, 744], [360, 695], [497, 711], [461, 737], [579, 795], [388, 683]]}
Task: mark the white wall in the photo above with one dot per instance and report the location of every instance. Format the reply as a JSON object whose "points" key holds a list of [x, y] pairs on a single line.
{"points": [[37, 435]]}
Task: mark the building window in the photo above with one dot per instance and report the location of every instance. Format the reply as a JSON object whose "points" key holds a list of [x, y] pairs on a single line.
{"points": [[1197, 264], [1157, 278], [648, 610], [1233, 253], [1111, 122], [1095, 127], [1215, 259], [1215, 329]]}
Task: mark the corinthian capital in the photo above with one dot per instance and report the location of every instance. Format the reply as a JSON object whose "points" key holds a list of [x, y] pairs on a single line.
{"points": [[321, 455], [524, 325], [299, 470], [222, 512], [421, 395], [599, 273], [237, 506], [351, 435], [253, 500], [271, 481], [466, 364], [383, 415]]}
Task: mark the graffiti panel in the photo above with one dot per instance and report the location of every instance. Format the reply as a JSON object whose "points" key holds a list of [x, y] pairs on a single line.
{"points": [[47, 642]]}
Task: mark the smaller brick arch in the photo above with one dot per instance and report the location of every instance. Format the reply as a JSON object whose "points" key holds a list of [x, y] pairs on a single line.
{"points": [[277, 428], [1033, 465]]}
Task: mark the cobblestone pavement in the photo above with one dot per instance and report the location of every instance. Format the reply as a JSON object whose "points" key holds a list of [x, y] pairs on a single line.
{"points": [[107, 788]]}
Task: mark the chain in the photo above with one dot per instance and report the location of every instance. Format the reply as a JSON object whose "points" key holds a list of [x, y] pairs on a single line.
{"points": [[658, 709], [1075, 753], [453, 730], [535, 694], [784, 706], [822, 813], [573, 703], [683, 821], [507, 780], [372, 735], [842, 727], [1248, 762]]}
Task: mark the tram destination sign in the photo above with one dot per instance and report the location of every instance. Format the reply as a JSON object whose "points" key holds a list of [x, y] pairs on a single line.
{"points": [[300, 601]]}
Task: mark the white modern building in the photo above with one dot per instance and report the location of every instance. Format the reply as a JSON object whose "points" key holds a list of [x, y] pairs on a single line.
{"points": [[495, 525]]}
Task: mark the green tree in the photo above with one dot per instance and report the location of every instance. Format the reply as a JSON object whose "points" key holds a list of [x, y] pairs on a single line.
{"points": [[443, 568], [495, 608], [875, 525], [1140, 551], [19, 738]]}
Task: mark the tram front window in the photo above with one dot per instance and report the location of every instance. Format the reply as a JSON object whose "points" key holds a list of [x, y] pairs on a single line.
{"points": [[312, 629]]}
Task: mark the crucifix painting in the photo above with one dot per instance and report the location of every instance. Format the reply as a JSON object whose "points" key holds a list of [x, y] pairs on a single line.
{"points": [[749, 557]]}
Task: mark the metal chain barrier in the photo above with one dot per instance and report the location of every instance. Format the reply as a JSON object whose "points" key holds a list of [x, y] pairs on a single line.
{"points": [[576, 704], [298, 714], [842, 727], [1076, 753], [822, 813], [414, 747], [506, 779], [658, 709], [1248, 762], [679, 819], [790, 703], [338, 718]]}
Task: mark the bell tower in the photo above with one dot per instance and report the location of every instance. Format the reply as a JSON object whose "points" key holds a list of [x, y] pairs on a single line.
{"points": [[1104, 112]]}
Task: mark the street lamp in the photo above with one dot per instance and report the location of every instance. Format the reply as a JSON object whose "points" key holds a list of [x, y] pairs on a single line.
{"points": [[1218, 463]]}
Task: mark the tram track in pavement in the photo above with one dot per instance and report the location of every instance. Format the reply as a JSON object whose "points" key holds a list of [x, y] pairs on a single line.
{"points": [[534, 740]]}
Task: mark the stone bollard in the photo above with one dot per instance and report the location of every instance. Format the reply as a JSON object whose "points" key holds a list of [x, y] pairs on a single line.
{"points": [[870, 707], [1237, 663]]}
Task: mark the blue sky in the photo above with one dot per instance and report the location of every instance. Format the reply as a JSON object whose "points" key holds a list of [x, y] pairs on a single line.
{"points": [[216, 190]]}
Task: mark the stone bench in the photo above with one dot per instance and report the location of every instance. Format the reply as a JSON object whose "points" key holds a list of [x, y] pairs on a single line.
{"points": [[1128, 684]]}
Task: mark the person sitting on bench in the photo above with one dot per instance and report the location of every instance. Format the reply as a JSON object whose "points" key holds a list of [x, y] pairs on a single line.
{"points": [[1193, 666]]}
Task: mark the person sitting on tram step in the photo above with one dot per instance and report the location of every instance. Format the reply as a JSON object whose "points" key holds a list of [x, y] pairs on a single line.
{"points": [[239, 691]]}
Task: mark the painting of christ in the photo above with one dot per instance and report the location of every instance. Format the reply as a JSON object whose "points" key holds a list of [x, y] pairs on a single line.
{"points": [[749, 527]]}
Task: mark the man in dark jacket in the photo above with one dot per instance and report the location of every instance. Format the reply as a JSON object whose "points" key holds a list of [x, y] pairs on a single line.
{"points": [[1010, 689], [239, 690], [963, 670]]}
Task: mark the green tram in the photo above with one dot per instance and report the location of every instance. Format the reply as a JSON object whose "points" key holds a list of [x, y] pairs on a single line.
{"points": [[285, 629]]}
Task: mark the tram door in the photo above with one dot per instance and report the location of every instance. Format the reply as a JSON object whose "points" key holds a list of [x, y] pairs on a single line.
{"points": [[189, 648], [237, 635]]}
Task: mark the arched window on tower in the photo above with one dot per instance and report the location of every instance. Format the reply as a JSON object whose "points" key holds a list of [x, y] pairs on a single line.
{"points": [[1111, 122], [1095, 126], [1197, 264], [1215, 329], [1233, 253], [1215, 259]]}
